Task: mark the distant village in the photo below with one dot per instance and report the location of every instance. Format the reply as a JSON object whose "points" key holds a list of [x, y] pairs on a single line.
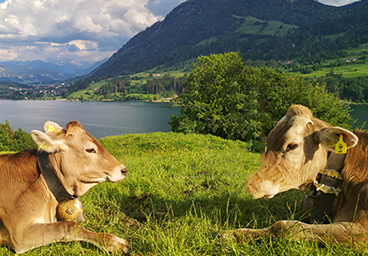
{"points": [[44, 90], [51, 90]]}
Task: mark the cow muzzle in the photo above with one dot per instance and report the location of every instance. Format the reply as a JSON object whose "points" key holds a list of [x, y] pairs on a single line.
{"points": [[270, 189], [266, 189], [118, 175]]}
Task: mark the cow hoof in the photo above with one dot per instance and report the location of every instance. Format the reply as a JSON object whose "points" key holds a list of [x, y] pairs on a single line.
{"points": [[123, 246], [116, 244]]}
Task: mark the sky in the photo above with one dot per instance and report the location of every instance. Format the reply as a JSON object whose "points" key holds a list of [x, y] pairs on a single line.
{"points": [[81, 30]]}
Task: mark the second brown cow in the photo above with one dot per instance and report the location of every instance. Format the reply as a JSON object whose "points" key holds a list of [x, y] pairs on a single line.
{"points": [[300, 149]]}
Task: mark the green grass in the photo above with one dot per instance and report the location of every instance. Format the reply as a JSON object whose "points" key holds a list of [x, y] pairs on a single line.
{"points": [[144, 76], [255, 26], [91, 88], [348, 71], [179, 190]]}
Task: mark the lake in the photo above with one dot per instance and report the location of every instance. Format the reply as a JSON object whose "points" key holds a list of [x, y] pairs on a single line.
{"points": [[103, 119], [360, 112], [100, 119]]}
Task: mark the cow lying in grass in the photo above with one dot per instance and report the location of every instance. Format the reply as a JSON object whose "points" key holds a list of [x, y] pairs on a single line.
{"points": [[301, 151], [34, 184]]}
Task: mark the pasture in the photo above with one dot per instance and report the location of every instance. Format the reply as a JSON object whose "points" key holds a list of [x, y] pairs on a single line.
{"points": [[179, 190], [351, 70], [254, 26]]}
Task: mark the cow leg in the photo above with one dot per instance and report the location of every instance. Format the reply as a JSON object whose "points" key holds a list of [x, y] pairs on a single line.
{"points": [[344, 232], [64, 231]]}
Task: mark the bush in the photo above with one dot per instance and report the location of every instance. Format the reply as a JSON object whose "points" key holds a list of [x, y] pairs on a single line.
{"points": [[14, 140], [226, 98]]}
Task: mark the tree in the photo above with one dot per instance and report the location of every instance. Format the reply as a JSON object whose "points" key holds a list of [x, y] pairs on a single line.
{"points": [[9, 131], [217, 99], [4, 139], [14, 141], [22, 140], [226, 98]]}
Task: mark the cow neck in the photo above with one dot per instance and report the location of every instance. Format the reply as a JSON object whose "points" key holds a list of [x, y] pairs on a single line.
{"points": [[327, 188], [52, 180]]}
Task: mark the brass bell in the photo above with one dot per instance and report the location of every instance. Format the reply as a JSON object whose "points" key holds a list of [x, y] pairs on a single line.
{"points": [[71, 210]]}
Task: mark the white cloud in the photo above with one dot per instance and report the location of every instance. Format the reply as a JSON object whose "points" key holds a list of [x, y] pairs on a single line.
{"points": [[7, 55], [337, 2], [105, 24]]}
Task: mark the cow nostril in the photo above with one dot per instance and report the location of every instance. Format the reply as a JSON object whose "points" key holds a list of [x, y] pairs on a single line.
{"points": [[124, 170]]}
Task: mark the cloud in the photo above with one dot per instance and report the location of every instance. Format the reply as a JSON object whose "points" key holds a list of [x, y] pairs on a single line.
{"points": [[337, 2], [7, 55], [51, 27]]}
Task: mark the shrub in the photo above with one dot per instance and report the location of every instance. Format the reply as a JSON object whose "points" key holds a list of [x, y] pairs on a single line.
{"points": [[14, 140], [226, 98]]}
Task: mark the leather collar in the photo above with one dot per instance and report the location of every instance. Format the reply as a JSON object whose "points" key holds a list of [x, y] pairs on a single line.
{"points": [[327, 188], [52, 180]]}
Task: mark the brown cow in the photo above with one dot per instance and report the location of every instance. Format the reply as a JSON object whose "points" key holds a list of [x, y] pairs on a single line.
{"points": [[298, 149], [28, 215]]}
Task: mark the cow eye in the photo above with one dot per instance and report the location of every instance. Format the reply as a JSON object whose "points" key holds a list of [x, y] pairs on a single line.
{"points": [[291, 146], [91, 150]]}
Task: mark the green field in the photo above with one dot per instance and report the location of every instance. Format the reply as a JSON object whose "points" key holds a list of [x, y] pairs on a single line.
{"points": [[90, 89], [347, 71], [351, 69], [179, 190], [251, 25]]}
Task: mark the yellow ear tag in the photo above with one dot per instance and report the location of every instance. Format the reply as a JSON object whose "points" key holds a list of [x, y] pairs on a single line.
{"points": [[51, 129], [340, 147], [59, 132], [331, 144]]}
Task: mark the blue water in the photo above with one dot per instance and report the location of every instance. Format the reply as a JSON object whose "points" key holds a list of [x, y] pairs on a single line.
{"points": [[103, 119], [100, 119], [360, 112]]}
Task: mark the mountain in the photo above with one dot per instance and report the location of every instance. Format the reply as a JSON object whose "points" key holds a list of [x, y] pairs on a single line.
{"points": [[88, 68], [38, 71], [259, 29], [29, 74]]}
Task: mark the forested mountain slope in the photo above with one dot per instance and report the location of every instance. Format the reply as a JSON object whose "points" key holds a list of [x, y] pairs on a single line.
{"points": [[259, 29]]}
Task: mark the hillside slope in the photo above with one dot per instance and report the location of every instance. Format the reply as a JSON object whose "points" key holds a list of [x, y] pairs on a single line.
{"points": [[259, 29]]}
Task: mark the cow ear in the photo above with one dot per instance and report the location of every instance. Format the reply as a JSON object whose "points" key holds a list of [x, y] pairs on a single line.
{"points": [[50, 144], [330, 136], [74, 127], [53, 128]]}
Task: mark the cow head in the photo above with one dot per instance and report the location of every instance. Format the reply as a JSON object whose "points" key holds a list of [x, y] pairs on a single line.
{"points": [[78, 157], [296, 151]]}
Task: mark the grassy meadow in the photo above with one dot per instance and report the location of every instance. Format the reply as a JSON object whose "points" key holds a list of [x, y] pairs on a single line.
{"points": [[180, 189], [254, 26], [351, 69]]}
